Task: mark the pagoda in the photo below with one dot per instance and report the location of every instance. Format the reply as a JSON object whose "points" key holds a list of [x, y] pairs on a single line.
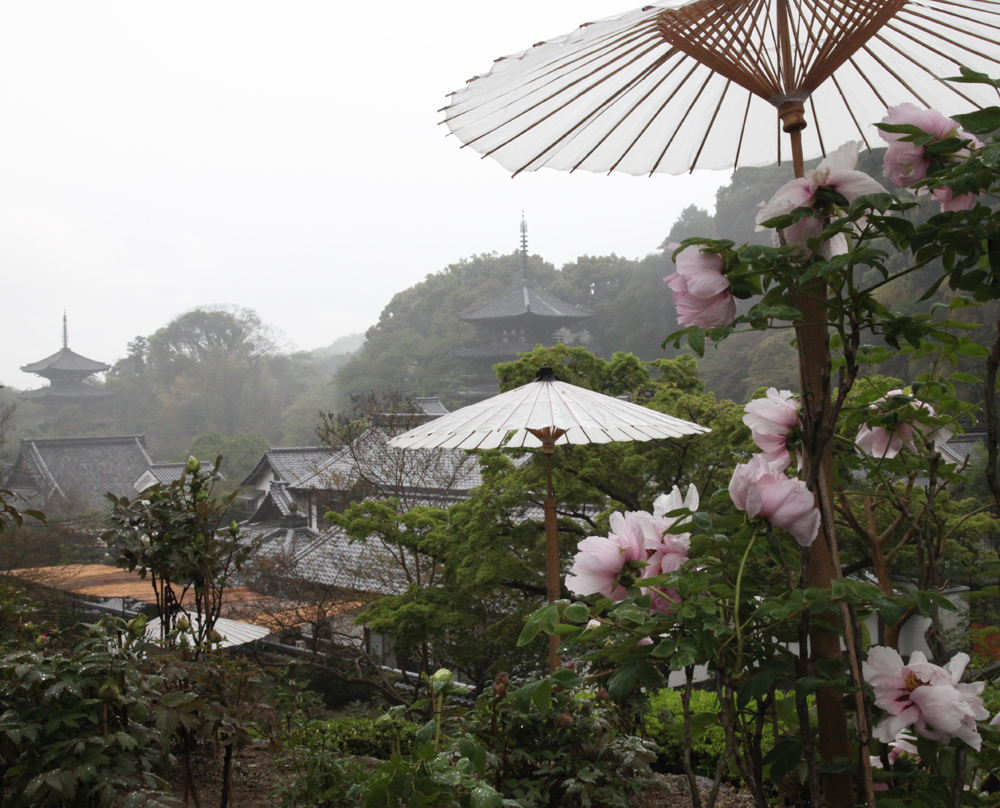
{"points": [[67, 372], [514, 323]]}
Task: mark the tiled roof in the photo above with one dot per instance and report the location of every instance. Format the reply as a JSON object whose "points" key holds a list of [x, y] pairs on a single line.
{"points": [[969, 444], [294, 465], [65, 360], [430, 405], [526, 300], [362, 566], [450, 470], [167, 473], [74, 474], [330, 559], [234, 632]]}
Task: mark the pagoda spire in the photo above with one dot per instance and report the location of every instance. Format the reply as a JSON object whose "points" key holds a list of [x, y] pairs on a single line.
{"points": [[524, 248], [65, 331]]}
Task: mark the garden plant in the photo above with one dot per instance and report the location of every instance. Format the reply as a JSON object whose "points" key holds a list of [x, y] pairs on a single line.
{"points": [[816, 705]]}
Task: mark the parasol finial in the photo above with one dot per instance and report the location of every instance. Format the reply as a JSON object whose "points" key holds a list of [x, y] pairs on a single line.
{"points": [[545, 374]]}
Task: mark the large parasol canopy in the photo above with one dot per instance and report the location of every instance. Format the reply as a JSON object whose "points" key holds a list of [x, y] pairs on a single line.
{"points": [[676, 86], [541, 414]]}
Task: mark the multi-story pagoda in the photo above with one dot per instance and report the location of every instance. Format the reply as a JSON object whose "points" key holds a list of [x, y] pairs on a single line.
{"points": [[513, 323], [67, 372]]}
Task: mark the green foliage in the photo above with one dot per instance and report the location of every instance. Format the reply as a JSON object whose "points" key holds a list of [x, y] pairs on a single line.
{"points": [[355, 735], [664, 723], [317, 775], [179, 536], [554, 743], [210, 370], [82, 728], [239, 451]]}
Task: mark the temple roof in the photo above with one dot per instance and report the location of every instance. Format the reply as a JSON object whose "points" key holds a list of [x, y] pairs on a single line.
{"points": [[65, 361], [523, 301], [74, 474]]}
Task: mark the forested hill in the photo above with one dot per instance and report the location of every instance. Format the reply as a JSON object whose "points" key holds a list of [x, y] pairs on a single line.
{"points": [[409, 348]]}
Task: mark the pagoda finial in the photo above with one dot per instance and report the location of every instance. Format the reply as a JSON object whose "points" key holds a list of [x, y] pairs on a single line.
{"points": [[524, 246], [65, 331]]}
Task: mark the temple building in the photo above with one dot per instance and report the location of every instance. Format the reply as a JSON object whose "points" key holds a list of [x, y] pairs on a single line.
{"points": [[67, 373], [514, 323]]}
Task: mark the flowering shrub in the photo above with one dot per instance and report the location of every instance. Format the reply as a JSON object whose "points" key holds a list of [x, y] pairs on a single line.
{"points": [[786, 503], [761, 604], [639, 546]]}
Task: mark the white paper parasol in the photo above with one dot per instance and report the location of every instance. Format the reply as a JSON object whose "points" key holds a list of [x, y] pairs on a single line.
{"points": [[709, 84], [540, 415]]}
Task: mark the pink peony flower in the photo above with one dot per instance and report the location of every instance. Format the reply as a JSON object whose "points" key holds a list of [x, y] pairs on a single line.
{"points": [[639, 546], [877, 441], [601, 561], [786, 503], [949, 201], [927, 697], [835, 172], [701, 290], [906, 163], [771, 420]]}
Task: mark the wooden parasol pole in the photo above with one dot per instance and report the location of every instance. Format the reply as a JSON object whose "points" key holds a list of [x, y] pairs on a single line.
{"points": [[548, 436], [812, 334]]}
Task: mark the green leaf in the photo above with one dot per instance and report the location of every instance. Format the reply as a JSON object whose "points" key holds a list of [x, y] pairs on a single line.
{"points": [[622, 681], [755, 687], [483, 796], [980, 121], [696, 339], [577, 613], [542, 697], [970, 76], [475, 753], [564, 677], [809, 684], [968, 378], [974, 350], [784, 758]]}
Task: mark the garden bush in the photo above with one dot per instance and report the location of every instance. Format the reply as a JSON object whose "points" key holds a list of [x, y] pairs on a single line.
{"points": [[664, 724], [552, 744], [352, 735]]}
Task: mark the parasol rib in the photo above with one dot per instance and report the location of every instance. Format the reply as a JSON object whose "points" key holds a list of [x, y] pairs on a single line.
{"points": [[625, 117], [711, 123], [677, 129], [655, 116]]}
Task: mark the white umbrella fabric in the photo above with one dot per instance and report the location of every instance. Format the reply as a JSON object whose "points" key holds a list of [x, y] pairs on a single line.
{"points": [[511, 420], [541, 414], [676, 86]]}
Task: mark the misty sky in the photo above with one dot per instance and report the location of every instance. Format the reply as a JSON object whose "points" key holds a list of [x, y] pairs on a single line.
{"points": [[286, 157]]}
